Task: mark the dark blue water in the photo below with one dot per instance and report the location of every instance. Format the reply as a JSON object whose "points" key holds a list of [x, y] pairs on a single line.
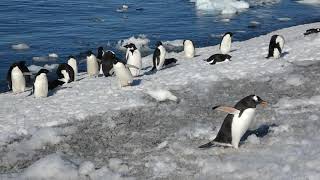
{"points": [[72, 27]]}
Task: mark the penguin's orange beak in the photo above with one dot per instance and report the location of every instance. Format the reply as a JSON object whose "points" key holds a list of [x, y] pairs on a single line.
{"points": [[264, 103]]}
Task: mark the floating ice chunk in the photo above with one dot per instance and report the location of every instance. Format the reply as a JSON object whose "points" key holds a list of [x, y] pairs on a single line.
{"points": [[51, 66], [86, 168], [162, 95], [221, 6], [284, 19], [51, 167], [21, 46], [53, 55], [309, 1], [34, 68]]}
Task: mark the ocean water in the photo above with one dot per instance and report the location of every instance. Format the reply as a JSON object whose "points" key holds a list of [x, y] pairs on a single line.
{"points": [[73, 27]]}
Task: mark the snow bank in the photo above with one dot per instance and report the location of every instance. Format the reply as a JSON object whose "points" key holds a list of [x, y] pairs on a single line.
{"points": [[21, 46]]}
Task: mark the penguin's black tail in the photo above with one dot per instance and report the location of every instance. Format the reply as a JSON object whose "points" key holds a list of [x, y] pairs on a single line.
{"points": [[208, 145]]}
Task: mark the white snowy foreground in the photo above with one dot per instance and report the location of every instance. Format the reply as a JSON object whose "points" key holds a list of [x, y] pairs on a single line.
{"points": [[93, 129]]}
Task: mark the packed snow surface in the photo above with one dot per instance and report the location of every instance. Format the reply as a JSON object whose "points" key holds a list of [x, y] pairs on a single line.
{"points": [[92, 128]]}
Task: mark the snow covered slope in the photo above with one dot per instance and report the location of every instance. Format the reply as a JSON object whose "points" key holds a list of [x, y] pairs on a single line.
{"points": [[126, 133]]}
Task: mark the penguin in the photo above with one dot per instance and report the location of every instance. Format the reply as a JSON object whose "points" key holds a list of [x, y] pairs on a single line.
{"points": [[158, 56], [122, 72], [225, 45], [218, 58], [106, 64], [311, 31], [189, 49], [236, 123], [92, 64], [40, 86], [99, 59], [133, 57], [73, 63], [65, 73], [276, 46], [18, 76]]}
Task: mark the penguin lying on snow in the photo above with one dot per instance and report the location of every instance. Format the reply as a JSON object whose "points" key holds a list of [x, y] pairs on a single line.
{"points": [[312, 31], [275, 46], [218, 58], [133, 57], [237, 122], [159, 60], [17, 76], [225, 45], [40, 86]]}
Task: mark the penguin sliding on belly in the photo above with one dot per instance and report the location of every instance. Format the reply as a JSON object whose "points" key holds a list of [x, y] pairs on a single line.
{"points": [[133, 57], [218, 58], [17, 76], [275, 46], [159, 60], [225, 45], [189, 49], [312, 31], [40, 86], [237, 122]]}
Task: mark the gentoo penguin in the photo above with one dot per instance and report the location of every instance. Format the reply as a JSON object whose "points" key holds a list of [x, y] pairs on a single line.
{"points": [[16, 77], [40, 86], [73, 63], [133, 58], [218, 58], [237, 122], [65, 73], [312, 31], [189, 49], [275, 46], [122, 72], [158, 56], [92, 64], [225, 45]]}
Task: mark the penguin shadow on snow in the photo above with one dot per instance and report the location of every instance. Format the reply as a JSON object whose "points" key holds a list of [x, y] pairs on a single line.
{"points": [[260, 132], [136, 82]]}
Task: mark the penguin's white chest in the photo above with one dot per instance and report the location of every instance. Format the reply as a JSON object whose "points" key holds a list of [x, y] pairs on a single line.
{"points": [[18, 80], [73, 63], [276, 53], [135, 60], [240, 125], [189, 50], [66, 76], [92, 65], [281, 41], [41, 86], [162, 57], [225, 45], [123, 74]]}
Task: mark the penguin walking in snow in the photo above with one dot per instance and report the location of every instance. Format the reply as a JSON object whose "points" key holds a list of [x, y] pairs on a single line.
{"points": [[218, 58], [225, 45], [17, 75], [159, 60], [237, 122], [276, 46], [122, 72], [40, 86], [311, 31], [92, 64], [73, 63], [189, 49], [133, 57]]}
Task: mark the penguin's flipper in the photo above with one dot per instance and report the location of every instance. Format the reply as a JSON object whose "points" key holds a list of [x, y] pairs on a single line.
{"points": [[229, 110], [208, 145], [111, 71]]}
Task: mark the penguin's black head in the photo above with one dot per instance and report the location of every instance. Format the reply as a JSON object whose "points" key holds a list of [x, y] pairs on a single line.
{"points": [[230, 33], [43, 71], [227, 56], [22, 63], [100, 49], [159, 43], [252, 101], [133, 46], [89, 53], [110, 56], [71, 57]]}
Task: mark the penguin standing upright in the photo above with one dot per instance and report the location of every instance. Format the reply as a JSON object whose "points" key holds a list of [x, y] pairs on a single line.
{"points": [[73, 63], [225, 45], [276, 46], [134, 59], [99, 58], [158, 56], [106, 64], [92, 64], [65, 73], [40, 86], [122, 72], [17, 75], [189, 49], [237, 122]]}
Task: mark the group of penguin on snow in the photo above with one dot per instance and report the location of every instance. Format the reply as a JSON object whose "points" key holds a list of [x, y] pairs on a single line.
{"points": [[240, 118]]}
